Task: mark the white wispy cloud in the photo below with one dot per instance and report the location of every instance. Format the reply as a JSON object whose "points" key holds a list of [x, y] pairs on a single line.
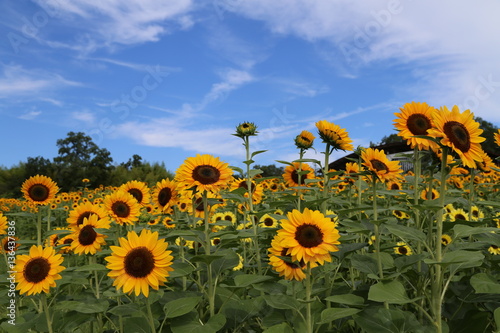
{"points": [[84, 116], [112, 22], [30, 115], [17, 80]]}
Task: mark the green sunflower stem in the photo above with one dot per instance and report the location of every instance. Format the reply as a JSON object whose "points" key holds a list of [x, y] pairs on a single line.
{"points": [[377, 233], [255, 239], [299, 178], [45, 306], [48, 218], [437, 282], [309, 321], [471, 192], [211, 287], [150, 316], [417, 162], [325, 178], [39, 226]]}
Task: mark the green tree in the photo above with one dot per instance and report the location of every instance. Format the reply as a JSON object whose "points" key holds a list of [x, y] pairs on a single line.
{"points": [[79, 157], [489, 130], [39, 166], [11, 180], [270, 170]]}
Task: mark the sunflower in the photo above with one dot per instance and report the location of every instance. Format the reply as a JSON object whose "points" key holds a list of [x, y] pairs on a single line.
{"points": [[460, 132], [165, 194], [141, 261], [168, 222], [486, 164], [38, 271], [82, 211], [229, 216], [3, 224], [283, 263], [394, 185], [309, 236], [304, 140], [267, 221], [497, 137], [123, 207], [86, 239], [415, 119], [377, 162], [291, 176], [429, 195], [351, 171], [334, 135], [257, 190], [402, 248], [65, 243], [205, 172], [476, 214], [400, 214], [445, 239], [39, 189], [240, 263], [10, 244], [139, 191], [493, 249], [458, 214]]}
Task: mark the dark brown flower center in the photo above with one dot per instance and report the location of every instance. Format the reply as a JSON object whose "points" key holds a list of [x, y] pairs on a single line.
{"points": [[458, 134], [379, 165], [121, 209], [395, 186], [305, 139], [206, 174], [87, 235], [295, 177], [216, 241], [460, 216], [228, 218], [36, 269], [268, 221], [198, 204], [309, 235], [82, 216], [244, 185], [418, 124], [137, 194], [164, 196], [402, 250], [139, 262], [38, 192]]}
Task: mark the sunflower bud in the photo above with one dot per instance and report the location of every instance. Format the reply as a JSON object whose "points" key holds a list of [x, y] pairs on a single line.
{"points": [[246, 129], [304, 140]]}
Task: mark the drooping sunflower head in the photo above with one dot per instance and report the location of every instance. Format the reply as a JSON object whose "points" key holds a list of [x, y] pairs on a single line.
{"points": [[38, 271], [334, 135], [460, 132], [122, 207], [415, 119], [304, 140], [139, 191], [39, 190], [309, 236], [205, 172], [377, 162], [246, 129], [86, 239], [141, 261], [291, 175]]}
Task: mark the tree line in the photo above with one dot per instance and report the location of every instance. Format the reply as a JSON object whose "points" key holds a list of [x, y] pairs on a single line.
{"points": [[80, 158]]}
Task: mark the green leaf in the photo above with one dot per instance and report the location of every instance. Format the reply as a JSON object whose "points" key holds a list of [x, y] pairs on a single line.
{"points": [[496, 314], [392, 292], [332, 314], [258, 152], [462, 230], [96, 306], [125, 310], [182, 306], [484, 283], [252, 173], [205, 258], [136, 325], [283, 302], [215, 323], [348, 299], [244, 280], [406, 233], [380, 320], [364, 263], [282, 162], [180, 269], [458, 257], [279, 328]]}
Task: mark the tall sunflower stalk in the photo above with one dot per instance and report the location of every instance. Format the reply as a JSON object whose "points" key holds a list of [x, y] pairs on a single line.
{"points": [[303, 141], [244, 131]]}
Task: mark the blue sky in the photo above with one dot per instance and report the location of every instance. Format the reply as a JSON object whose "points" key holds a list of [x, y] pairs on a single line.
{"points": [[170, 79]]}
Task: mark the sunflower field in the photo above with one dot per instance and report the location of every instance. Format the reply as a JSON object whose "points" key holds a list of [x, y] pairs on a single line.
{"points": [[369, 248]]}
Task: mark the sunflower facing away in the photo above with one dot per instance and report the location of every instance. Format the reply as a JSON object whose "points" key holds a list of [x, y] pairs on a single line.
{"points": [[415, 119], [86, 239], [291, 176], [141, 261], [334, 135], [123, 207], [460, 132], [38, 271], [205, 172], [139, 191], [377, 162], [39, 189], [309, 236]]}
